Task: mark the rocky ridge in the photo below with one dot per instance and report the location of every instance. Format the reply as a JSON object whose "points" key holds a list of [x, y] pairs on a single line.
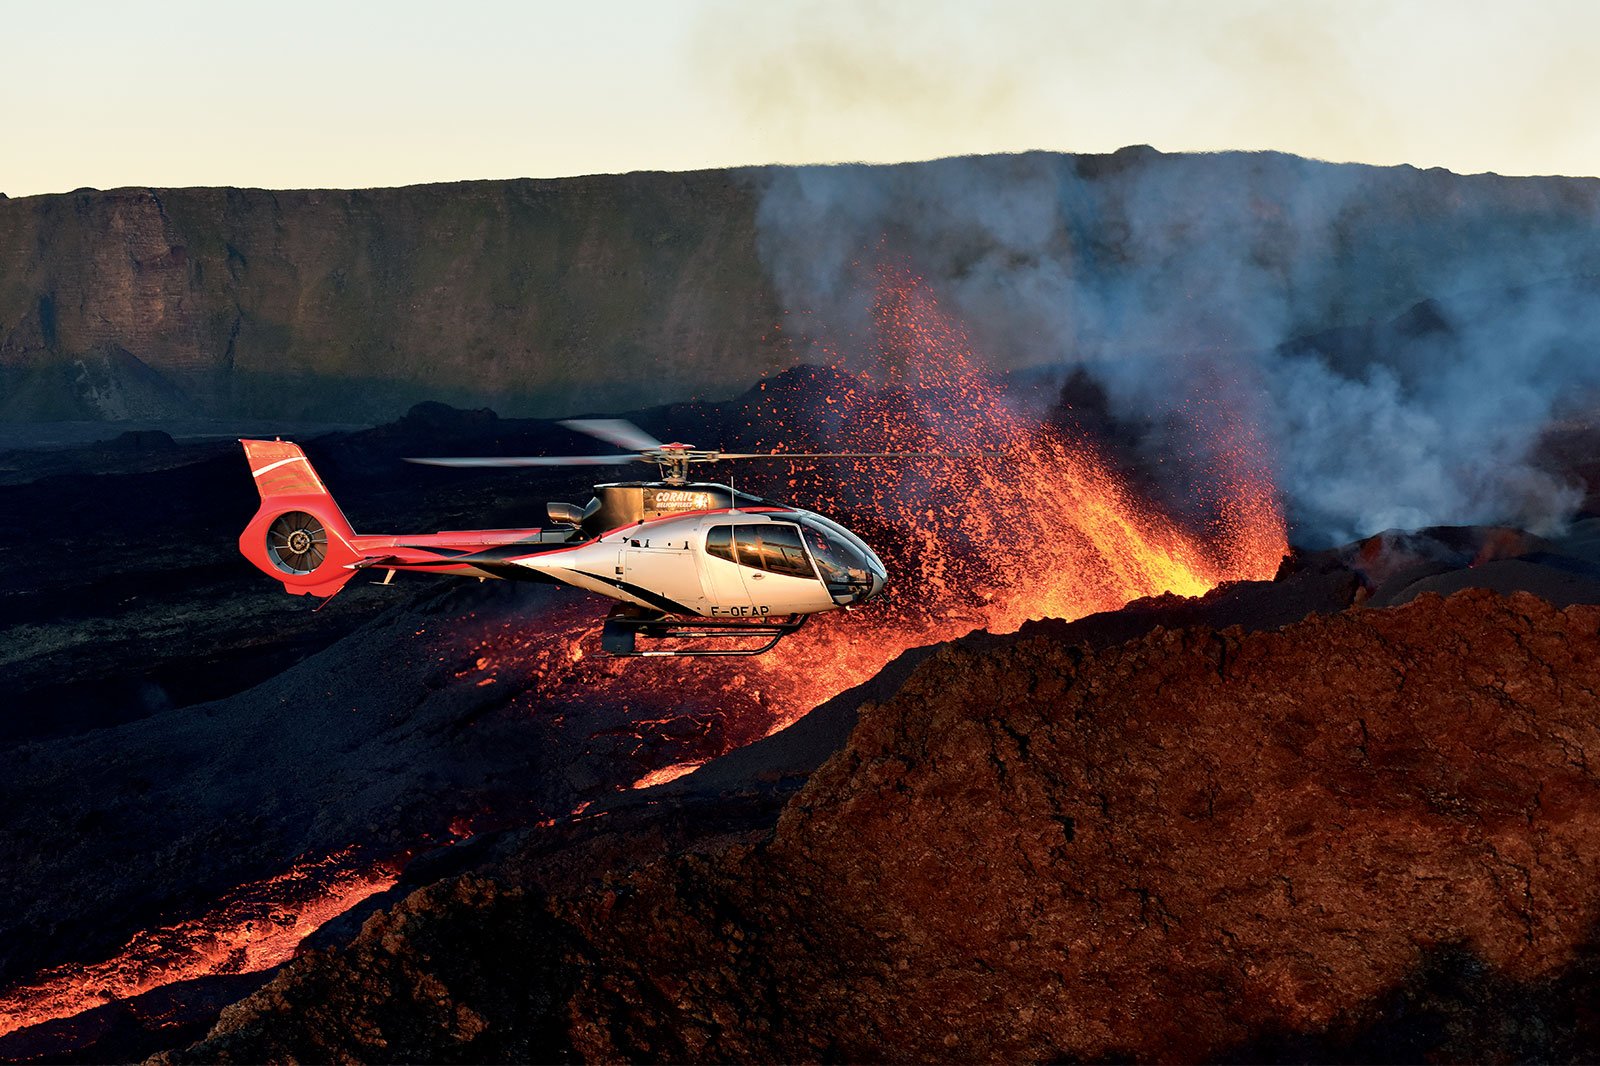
{"points": [[173, 303], [1369, 833], [615, 291]]}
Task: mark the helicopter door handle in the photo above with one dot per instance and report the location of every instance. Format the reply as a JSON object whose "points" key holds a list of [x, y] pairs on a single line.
{"points": [[758, 577]]}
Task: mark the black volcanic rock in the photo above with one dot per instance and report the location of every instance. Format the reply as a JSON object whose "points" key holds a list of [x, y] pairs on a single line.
{"points": [[141, 441], [431, 416]]}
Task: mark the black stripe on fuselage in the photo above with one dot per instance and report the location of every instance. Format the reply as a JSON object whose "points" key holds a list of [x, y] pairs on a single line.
{"points": [[514, 572], [654, 599]]}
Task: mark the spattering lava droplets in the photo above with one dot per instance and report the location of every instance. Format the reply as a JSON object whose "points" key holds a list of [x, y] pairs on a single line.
{"points": [[1041, 526]]}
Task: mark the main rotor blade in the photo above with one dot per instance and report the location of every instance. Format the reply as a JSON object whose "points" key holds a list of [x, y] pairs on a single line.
{"points": [[537, 460], [860, 455], [618, 431]]}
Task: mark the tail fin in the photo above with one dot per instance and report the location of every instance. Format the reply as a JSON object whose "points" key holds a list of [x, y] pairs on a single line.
{"points": [[299, 536]]}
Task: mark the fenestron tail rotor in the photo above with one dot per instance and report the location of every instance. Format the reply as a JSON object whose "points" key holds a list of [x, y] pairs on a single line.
{"points": [[296, 542], [673, 459]]}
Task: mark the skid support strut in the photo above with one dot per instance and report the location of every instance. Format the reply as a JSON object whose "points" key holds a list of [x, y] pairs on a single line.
{"points": [[621, 633]]}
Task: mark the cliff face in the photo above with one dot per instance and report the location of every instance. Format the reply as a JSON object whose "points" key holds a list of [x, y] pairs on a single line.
{"points": [[1371, 833], [543, 297], [171, 303]]}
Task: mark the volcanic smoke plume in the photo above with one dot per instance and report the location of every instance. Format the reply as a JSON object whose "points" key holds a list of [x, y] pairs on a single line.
{"points": [[1428, 414]]}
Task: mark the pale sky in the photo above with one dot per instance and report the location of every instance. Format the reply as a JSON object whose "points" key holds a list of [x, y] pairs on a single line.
{"points": [[339, 94]]}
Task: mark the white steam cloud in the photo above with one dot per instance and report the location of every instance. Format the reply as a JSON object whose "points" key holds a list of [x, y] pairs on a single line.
{"points": [[1398, 339]]}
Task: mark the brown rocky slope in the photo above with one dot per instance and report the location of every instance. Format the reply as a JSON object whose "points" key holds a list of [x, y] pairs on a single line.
{"points": [[1372, 834]]}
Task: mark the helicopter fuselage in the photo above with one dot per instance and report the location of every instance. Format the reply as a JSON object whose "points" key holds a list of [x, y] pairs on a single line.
{"points": [[723, 560], [723, 563]]}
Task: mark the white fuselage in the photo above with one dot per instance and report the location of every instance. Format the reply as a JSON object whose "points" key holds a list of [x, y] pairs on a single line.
{"points": [[723, 564]]}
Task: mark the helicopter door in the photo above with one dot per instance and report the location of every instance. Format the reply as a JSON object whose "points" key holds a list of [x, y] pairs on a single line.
{"points": [[665, 566], [725, 590]]}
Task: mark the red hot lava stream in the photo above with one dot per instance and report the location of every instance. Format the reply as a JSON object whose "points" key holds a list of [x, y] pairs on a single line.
{"points": [[256, 927]]}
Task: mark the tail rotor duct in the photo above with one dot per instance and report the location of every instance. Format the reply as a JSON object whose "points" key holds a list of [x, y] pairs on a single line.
{"points": [[297, 542]]}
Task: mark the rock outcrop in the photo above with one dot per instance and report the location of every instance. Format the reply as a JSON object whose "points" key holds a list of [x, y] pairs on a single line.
{"points": [[1373, 833]]}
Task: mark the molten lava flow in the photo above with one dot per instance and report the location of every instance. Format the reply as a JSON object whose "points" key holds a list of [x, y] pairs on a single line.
{"points": [[1048, 529], [256, 928], [668, 773]]}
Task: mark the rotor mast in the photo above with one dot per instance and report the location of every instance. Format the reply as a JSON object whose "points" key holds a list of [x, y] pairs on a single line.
{"points": [[673, 461]]}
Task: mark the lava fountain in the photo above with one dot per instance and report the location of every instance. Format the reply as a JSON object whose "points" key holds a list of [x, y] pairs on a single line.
{"points": [[1047, 527]]}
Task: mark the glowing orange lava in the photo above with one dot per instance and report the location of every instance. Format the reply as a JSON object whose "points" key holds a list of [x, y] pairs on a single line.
{"points": [[255, 928], [1049, 529], [668, 773]]}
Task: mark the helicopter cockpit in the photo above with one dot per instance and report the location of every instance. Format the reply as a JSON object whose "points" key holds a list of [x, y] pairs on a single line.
{"points": [[849, 569]]}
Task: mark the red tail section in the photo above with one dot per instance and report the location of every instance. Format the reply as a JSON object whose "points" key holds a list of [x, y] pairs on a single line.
{"points": [[299, 536]]}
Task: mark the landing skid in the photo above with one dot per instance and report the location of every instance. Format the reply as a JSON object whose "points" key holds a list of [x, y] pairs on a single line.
{"points": [[621, 633]]}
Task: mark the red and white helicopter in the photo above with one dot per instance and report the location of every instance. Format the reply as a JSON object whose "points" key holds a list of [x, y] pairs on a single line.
{"points": [[686, 560]]}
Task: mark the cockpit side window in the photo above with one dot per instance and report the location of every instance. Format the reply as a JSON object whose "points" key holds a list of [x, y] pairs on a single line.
{"points": [[719, 542], [774, 547]]}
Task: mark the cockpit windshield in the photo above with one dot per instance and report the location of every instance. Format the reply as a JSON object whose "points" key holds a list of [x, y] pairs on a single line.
{"points": [[775, 547], [847, 564]]}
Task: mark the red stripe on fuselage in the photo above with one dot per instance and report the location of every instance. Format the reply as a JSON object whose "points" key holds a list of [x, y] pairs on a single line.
{"points": [[463, 539], [664, 518], [468, 540], [651, 521]]}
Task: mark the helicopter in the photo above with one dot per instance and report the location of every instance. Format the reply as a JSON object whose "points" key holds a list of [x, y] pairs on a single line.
{"points": [[686, 561]]}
